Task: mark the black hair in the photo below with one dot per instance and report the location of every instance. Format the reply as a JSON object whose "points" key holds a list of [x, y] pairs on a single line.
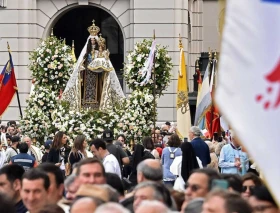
{"points": [[89, 49], [234, 181], [262, 193], [35, 174], [11, 123], [115, 181], [15, 139], [23, 147], [6, 204], [51, 208], [251, 176], [210, 173], [121, 135], [13, 172], [98, 143], [55, 170], [148, 143]]}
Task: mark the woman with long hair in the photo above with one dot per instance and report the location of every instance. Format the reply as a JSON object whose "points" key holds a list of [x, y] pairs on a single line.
{"points": [[78, 151], [57, 151], [168, 155], [148, 144]]}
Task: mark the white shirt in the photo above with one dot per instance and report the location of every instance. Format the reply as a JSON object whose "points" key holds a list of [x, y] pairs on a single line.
{"points": [[112, 165]]}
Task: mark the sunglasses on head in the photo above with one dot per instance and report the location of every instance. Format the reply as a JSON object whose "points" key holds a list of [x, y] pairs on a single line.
{"points": [[244, 188], [193, 187]]}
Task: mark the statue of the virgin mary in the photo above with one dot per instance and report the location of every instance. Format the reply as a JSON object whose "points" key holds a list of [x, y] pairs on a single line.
{"points": [[93, 83]]}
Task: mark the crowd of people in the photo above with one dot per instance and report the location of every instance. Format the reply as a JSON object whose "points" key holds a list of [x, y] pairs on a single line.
{"points": [[162, 174]]}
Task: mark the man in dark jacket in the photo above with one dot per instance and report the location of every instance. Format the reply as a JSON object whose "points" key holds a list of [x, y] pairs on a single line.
{"points": [[23, 159], [200, 147]]}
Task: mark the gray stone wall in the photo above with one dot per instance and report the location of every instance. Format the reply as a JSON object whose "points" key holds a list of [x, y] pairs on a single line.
{"points": [[24, 22]]}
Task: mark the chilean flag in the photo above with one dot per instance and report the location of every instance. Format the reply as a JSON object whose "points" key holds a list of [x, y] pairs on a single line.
{"points": [[8, 85], [248, 89]]}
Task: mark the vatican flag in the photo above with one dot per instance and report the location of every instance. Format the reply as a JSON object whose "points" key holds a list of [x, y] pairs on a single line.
{"points": [[182, 101]]}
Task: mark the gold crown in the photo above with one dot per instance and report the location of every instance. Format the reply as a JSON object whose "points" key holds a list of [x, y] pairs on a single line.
{"points": [[93, 30], [101, 41]]}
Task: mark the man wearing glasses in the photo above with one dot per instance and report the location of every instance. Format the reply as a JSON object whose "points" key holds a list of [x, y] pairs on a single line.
{"points": [[262, 201], [199, 184]]}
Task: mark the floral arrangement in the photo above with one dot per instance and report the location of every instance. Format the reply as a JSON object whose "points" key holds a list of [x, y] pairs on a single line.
{"points": [[36, 122], [87, 122], [136, 115], [136, 60], [51, 64]]}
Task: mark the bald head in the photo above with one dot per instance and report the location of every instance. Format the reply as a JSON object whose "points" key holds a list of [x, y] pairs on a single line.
{"points": [[85, 205], [149, 170], [154, 206], [155, 164]]}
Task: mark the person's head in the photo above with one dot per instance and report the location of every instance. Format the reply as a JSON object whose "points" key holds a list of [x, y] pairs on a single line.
{"points": [[23, 147], [174, 141], [221, 201], [249, 182], [111, 208], [194, 132], [108, 136], [148, 143], [151, 191], [80, 143], [149, 170], [98, 148], [168, 124], [93, 41], [28, 141], [56, 181], [6, 204], [114, 181], [51, 208], [121, 138], [154, 138], [71, 186], [91, 171], [234, 182], [35, 189], [12, 130], [152, 206], [48, 144], [10, 181], [233, 138], [9, 140], [84, 205], [262, 201], [15, 141], [60, 139], [199, 183], [194, 206]]}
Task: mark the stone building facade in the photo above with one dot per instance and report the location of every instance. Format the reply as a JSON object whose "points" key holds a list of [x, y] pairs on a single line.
{"points": [[24, 22]]}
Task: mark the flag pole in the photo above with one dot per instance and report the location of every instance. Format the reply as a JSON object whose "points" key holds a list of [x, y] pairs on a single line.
{"points": [[154, 90], [20, 111]]}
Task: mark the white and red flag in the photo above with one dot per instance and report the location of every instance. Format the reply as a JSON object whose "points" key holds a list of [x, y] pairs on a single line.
{"points": [[248, 92]]}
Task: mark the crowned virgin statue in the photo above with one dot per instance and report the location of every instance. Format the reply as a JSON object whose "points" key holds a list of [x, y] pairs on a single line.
{"points": [[93, 83]]}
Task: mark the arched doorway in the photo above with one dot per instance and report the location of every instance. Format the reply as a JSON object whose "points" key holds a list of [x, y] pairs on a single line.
{"points": [[73, 26]]}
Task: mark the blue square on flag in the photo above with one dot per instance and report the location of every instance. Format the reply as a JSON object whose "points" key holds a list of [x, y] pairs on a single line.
{"points": [[273, 1]]}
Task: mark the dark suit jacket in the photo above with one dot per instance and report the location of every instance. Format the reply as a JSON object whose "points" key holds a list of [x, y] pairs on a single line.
{"points": [[201, 150]]}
